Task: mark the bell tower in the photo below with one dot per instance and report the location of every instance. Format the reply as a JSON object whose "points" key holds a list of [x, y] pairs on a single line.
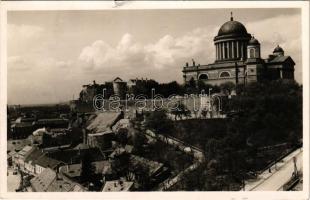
{"points": [[254, 63], [253, 49]]}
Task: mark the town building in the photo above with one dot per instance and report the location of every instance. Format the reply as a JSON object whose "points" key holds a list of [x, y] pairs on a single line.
{"points": [[52, 181], [117, 186], [238, 60]]}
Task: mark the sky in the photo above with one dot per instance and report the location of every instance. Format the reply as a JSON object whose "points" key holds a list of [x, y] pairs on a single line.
{"points": [[51, 54]]}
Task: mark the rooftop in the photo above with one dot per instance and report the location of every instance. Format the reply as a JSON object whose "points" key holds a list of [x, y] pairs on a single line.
{"points": [[117, 186], [102, 122], [279, 59], [41, 182], [49, 181], [74, 155], [47, 162], [34, 155], [17, 145], [74, 170], [25, 151]]}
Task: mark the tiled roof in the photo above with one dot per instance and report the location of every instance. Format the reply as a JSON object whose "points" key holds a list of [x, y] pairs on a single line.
{"points": [[41, 182], [74, 155], [12, 153], [102, 122], [278, 59], [25, 151], [49, 181], [74, 170], [47, 162], [22, 124], [117, 186], [61, 185], [34, 155], [17, 145], [77, 188]]}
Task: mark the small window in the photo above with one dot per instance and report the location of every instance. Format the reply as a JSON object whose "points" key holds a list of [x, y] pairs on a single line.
{"points": [[252, 53], [224, 75]]}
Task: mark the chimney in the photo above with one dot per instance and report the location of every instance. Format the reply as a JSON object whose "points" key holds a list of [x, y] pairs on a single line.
{"points": [[186, 64], [193, 62]]}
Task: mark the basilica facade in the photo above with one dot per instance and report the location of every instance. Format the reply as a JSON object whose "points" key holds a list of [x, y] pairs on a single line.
{"points": [[238, 60]]}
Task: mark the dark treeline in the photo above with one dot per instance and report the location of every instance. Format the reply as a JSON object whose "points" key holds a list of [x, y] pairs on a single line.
{"points": [[261, 114], [174, 88]]}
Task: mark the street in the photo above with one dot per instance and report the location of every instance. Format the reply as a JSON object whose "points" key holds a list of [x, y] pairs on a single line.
{"points": [[280, 174]]}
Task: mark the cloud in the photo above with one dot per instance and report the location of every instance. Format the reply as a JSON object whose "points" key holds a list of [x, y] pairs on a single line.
{"points": [[42, 62], [24, 31], [64, 64], [168, 53], [283, 30], [100, 55]]}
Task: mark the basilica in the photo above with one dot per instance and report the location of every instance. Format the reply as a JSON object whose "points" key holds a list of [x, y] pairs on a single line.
{"points": [[238, 60]]}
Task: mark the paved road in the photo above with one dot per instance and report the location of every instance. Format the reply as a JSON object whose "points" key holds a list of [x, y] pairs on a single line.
{"points": [[280, 174]]}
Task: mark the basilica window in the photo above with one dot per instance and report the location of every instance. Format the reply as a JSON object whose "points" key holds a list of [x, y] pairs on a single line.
{"points": [[203, 77], [252, 53], [224, 75]]}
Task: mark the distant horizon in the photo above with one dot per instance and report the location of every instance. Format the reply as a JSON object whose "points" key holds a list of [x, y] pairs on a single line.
{"points": [[51, 54]]}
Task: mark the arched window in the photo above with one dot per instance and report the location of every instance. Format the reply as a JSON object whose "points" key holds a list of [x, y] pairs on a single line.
{"points": [[252, 53], [224, 75], [203, 77]]}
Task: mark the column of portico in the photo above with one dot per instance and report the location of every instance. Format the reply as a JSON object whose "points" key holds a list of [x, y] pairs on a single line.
{"points": [[228, 49], [223, 51], [218, 51], [233, 49], [242, 50], [237, 45]]}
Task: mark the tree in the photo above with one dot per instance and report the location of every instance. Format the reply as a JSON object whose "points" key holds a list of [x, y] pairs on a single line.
{"points": [[227, 87], [212, 148], [122, 136], [138, 140], [142, 174], [268, 112], [158, 121], [180, 111], [87, 169]]}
